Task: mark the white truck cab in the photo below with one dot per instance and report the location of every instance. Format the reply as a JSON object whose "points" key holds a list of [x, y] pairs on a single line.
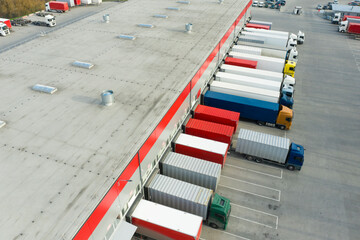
{"points": [[4, 30], [289, 80], [292, 55], [300, 37], [50, 20], [336, 18]]}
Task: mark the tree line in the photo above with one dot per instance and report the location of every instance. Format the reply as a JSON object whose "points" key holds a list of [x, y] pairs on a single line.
{"points": [[18, 8]]}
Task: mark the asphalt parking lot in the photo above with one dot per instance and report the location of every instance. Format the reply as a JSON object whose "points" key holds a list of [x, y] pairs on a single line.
{"points": [[322, 201]]}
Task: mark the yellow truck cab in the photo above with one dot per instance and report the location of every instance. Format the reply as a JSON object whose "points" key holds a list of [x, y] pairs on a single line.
{"points": [[284, 119], [289, 68]]}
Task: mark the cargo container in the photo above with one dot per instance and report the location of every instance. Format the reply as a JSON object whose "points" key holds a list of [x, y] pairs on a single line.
{"points": [[252, 92], [354, 28], [291, 54], [217, 115], [192, 170], [202, 148], [71, 3], [96, 1], [77, 2], [209, 130], [248, 81], [257, 26], [53, 6], [268, 38], [269, 32], [267, 42], [261, 22], [265, 147], [264, 113], [214, 209], [263, 63], [240, 62], [163, 223], [257, 73], [6, 21]]}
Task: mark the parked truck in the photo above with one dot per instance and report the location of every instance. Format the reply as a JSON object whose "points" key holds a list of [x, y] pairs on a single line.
{"points": [[257, 26], [253, 21], [266, 42], [48, 21], [53, 6], [291, 54], [285, 41], [240, 62], [255, 82], [257, 73], [163, 223], [213, 208], [192, 170], [252, 93], [4, 30], [6, 21], [345, 25], [265, 147], [264, 113], [268, 63]]}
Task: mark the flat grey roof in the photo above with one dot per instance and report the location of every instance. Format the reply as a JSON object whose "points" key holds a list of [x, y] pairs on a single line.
{"points": [[345, 8], [60, 152]]}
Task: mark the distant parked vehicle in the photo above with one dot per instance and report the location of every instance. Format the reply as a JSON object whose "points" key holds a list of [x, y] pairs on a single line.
{"points": [[319, 7], [255, 3], [261, 4], [4, 30]]}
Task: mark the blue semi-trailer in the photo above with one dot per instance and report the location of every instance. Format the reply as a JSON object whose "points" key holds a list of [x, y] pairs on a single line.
{"points": [[264, 113]]}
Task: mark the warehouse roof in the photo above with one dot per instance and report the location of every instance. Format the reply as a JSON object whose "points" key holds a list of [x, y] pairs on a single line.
{"points": [[60, 152], [345, 8]]}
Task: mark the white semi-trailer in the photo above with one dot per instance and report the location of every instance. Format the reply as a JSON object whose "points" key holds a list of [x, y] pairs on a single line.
{"points": [[291, 54], [263, 63], [257, 73]]}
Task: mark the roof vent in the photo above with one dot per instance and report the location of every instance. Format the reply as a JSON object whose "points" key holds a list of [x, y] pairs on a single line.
{"points": [[221, 1], [106, 18], [184, 2], [145, 25], [2, 123], [173, 8], [160, 16], [188, 27], [44, 89], [107, 97], [82, 64], [127, 37]]}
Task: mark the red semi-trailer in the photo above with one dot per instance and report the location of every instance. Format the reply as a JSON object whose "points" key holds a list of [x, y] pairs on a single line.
{"points": [[354, 28], [241, 62], [348, 16], [202, 148], [6, 21], [258, 26], [161, 222], [53, 6], [217, 115], [209, 130]]}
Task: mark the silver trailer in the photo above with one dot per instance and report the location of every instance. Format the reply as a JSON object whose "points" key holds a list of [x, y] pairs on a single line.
{"points": [[179, 195], [192, 170], [263, 145]]}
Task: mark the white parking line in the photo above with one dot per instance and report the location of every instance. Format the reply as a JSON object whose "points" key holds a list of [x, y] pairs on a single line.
{"points": [[239, 190], [234, 235], [247, 220], [258, 211], [254, 184], [258, 172]]}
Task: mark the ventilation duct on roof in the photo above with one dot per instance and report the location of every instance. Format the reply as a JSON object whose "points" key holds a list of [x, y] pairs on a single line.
{"points": [[2, 123], [127, 37], [44, 89], [107, 98], [160, 16], [184, 2], [173, 8], [82, 64], [106, 18], [145, 25], [188, 27]]}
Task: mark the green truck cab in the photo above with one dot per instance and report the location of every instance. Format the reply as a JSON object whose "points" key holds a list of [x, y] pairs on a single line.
{"points": [[219, 212]]}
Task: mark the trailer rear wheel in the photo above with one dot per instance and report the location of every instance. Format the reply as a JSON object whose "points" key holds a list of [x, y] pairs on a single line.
{"points": [[214, 225], [258, 160], [250, 158], [291, 167], [260, 123]]}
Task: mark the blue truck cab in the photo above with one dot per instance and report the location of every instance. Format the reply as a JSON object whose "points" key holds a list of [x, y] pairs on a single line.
{"points": [[286, 100], [295, 157]]}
